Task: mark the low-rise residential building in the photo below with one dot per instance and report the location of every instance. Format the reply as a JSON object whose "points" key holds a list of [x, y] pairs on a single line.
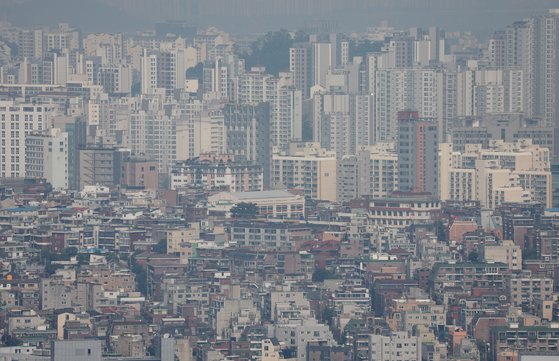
{"points": [[503, 252], [398, 346], [401, 210], [272, 204], [218, 172], [465, 276], [515, 337], [526, 290], [269, 235]]}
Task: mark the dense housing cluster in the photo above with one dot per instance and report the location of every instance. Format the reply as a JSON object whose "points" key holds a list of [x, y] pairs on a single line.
{"points": [[180, 194]]}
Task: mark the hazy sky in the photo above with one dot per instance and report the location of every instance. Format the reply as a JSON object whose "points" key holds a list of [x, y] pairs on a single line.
{"points": [[239, 16]]}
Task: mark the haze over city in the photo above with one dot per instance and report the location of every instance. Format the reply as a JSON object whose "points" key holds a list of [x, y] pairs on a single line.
{"points": [[239, 16], [279, 180]]}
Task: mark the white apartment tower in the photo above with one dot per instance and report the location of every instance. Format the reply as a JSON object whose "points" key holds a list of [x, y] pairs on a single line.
{"points": [[148, 72], [153, 134], [398, 90], [373, 171], [17, 121], [256, 86], [531, 45], [46, 156], [343, 122], [321, 62], [164, 69]]}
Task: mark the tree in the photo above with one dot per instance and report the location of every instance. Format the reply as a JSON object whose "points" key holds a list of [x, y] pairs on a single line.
{"points": [[112, 258], [320, 274], [362, 47], [529, 253], [196, 72], [69, 252], [442, 234], [47, 258], [9, 340], [151, 350], [307, 127], [83, 258], [271, 51], [136, 88], [51, 268], [244, 210], [161, 247], [473, 256], [65, 255], [328, 315], [141, 276], [301, 37]]}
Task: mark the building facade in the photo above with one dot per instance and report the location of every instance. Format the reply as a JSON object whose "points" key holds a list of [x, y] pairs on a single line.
{"points": [[418, 155]]}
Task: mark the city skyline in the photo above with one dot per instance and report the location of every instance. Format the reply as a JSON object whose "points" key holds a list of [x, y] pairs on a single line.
{"points": [[268, 15], [279, 180]]}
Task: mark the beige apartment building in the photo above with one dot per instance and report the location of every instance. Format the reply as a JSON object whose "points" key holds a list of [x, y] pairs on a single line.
{"points": [[506, 252], [504, 172], [307, 168]]}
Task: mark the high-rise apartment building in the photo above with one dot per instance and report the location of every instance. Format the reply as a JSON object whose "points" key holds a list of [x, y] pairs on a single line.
{"points": [[401, 52], [17, 121], [256, 86], [115, 79], [373, 172], [308, 168], [187, 116], [496, 49], [300, 66], [321, 62], [34, 43], [531, 45], [310, 63], [546, 77], [502, 172], [165, 70], [248, 134], [403, 89], [343, 122], [153, 134], [217, 79], [46, 157], [111, 48], [76, 128], [418, 157], [30, 43], [480, 91], [101, 166], [148, 72]]}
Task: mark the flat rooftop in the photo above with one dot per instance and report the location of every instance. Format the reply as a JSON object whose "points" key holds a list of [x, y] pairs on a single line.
{"points": [[262, 194]]}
